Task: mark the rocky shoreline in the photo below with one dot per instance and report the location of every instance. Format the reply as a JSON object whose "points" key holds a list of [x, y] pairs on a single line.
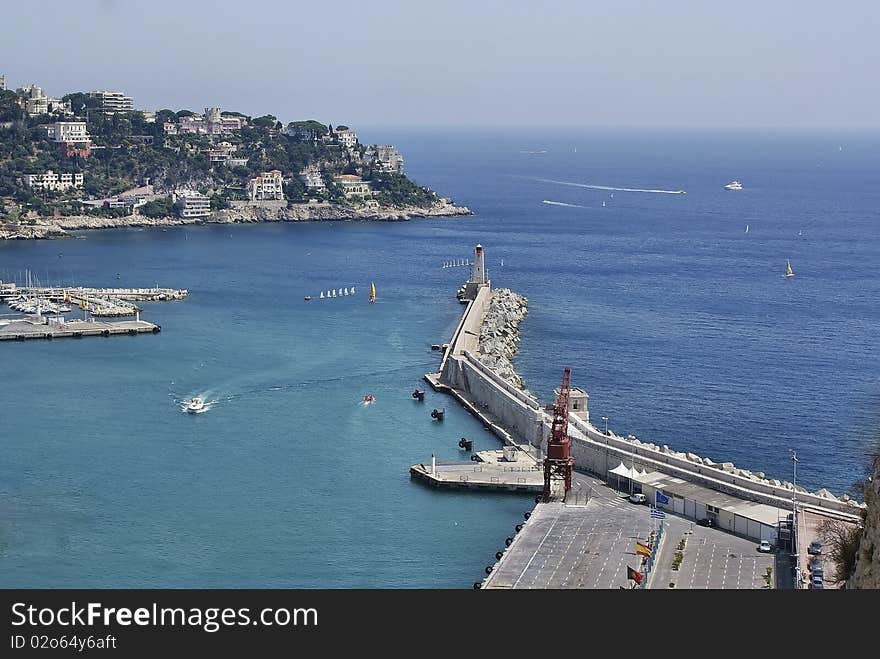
{"points": [[59, 227], [499, 334]]}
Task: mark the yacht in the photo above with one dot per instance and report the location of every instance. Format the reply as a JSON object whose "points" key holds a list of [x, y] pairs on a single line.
{"points": [[195, 405], [733, 185]]}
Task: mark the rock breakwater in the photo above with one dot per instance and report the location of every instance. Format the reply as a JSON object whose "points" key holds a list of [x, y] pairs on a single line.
{"points": [[499, 334]]}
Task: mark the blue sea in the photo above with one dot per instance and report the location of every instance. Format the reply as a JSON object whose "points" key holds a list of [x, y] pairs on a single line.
{"points": [[678, 322]]}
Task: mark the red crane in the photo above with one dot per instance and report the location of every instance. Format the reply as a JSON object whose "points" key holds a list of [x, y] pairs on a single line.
{"points": [[558, 463]]}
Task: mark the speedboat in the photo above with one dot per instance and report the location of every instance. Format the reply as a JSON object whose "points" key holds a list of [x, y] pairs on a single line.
{"points": [[368, 399], [733, 185], [195, 405]]}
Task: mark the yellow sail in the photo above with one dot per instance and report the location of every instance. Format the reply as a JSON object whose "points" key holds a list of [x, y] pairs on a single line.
{"points": [[788, 271], [372, 292]]}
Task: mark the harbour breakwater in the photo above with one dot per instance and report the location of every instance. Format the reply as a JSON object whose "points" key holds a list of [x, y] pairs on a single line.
{"points": [[519, 419], [499, 334], [240, 213]]}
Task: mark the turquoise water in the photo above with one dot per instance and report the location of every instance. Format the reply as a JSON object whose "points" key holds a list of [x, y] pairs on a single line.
{"points": [[678, 323]]}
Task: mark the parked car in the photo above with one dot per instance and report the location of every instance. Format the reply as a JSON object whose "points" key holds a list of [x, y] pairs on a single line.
{"points": [[638, 498], [816, 569], [815, 548], [816, 582], [765, 546], [706, 521]]}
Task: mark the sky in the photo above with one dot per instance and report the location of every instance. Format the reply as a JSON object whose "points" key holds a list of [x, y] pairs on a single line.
{"points": [[569, 63]]}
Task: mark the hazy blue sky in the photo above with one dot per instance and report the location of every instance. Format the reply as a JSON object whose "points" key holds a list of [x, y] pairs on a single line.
{"points": [[381, 62]]}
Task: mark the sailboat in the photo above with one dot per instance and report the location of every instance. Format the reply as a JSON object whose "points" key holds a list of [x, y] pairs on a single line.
{"points": [[345, 291], [372, 292], [747, 228], [788, 271], [322, 295], [352, 290]]}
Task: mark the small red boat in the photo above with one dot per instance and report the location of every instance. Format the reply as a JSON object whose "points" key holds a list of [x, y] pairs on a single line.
{"points": [[369, 398]]}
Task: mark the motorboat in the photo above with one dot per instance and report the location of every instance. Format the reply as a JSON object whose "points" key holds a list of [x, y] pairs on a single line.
{"points": [[195, 405], [733, 185], [368, 399], [308, 297]]}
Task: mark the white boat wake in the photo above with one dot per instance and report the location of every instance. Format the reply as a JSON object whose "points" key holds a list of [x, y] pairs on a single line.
{"points": [[562, 203], [608, 187]]}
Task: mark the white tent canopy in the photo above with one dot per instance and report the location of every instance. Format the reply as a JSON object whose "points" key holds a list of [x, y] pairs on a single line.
{"points": [[626, 472]]}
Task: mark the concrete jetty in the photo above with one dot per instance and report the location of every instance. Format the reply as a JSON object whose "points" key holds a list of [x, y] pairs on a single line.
{"points": [[43, 328], [491, 470]]}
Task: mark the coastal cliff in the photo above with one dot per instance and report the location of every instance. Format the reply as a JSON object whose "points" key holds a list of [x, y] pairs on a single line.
{"points": [[58, 227], [499, 334], [867, 572]]}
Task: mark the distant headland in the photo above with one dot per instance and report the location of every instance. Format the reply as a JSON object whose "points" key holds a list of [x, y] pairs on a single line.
{"points": [[90, 160]]}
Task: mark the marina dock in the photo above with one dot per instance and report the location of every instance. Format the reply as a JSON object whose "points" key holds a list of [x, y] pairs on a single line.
{"points": [[33, 328]]}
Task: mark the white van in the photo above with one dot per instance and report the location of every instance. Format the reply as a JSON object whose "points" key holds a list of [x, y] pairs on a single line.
{"points": [[638, 498]]}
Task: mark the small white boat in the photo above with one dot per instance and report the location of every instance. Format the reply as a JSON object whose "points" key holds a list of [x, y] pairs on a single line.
{"points": [[345, 292], [747, 228], [322, 295], [195, 405], [733, 185], [352, 290], [334, 293]]}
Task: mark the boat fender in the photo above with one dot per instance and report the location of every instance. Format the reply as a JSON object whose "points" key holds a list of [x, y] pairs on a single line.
{"points": [[527, 514], [477, 585], [539, 499], [488, 569], [474, 458], [461, 443], [508, 541], [498, 555], [106, 332], [518, 527]]}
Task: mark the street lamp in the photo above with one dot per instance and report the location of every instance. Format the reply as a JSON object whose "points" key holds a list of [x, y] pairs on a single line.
{"points": [[605, 419]]}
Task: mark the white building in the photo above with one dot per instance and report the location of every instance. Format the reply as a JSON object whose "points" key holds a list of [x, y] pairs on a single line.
{"points": [[390, 159], [193, 204], [237, 162], [113, 102], [57, 105], [311, 177], [49, 180], [35, 101], [71, 132], [221, 153], [211, 123], [353, 186], [268, 185], [347, 137]]}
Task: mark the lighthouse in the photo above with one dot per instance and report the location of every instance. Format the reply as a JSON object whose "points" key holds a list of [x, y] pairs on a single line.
{"points": [[478, 278], [479, 273]]}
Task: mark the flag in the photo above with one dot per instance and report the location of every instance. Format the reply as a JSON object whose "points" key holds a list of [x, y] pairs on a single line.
{"points": [[657, 514], [643, 549], [635, 575], [661, 498]]}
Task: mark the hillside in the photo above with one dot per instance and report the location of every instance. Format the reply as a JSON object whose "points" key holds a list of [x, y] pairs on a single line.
{"points": [[227, 157]]}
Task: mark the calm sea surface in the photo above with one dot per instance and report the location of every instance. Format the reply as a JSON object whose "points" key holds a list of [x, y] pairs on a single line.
{"points": [[677, 321]]}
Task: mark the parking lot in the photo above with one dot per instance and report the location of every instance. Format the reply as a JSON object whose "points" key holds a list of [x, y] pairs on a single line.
{"points": [[711, 559]]}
